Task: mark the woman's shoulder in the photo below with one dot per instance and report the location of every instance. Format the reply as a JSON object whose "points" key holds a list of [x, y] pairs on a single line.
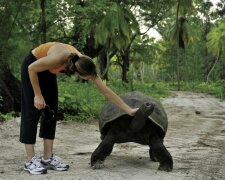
{"points": [[63, 46], [58, 48]]}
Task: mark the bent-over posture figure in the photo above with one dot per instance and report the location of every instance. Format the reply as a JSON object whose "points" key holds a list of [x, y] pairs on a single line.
{"points": [[39, 91]]}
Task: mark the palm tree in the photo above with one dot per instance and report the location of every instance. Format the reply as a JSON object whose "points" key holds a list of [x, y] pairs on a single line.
{"points": [[215, 43], [180, 33], [114, 31]]}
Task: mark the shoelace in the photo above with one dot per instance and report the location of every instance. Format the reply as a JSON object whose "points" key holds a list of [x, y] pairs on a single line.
{"points": [[36, 162], [56, 160]]}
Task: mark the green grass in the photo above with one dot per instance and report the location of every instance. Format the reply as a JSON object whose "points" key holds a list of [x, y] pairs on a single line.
{"points": [[216, 89], [81, 100]]}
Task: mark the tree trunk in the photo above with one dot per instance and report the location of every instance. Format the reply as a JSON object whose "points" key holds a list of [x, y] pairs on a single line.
{"points": [[206, 58], [178, 49], [89, 49], [217, 59], [125, 66], [178, 69], [43, 22], [142, 71], [222, 67], [10, 91], [103, 65], [104, 61]]}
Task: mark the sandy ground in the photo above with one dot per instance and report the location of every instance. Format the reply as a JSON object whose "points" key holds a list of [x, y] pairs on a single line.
{"points": [[196, 142]]}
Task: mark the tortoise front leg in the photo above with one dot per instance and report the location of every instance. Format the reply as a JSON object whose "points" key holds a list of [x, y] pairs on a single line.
{"points": [[152, 155], [158, 152], [103, 150]]}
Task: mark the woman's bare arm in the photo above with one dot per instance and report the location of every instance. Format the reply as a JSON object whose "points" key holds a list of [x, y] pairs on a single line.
{"points": [[52, 60], [114, 98]]}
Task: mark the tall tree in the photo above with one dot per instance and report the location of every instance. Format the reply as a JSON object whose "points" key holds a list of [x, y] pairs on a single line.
{"points": [[204, 8], [9, 84], [148, 14], [219, 14], [43, 22], [180, 32], [215, 44], [116, 32], [151, 12]]}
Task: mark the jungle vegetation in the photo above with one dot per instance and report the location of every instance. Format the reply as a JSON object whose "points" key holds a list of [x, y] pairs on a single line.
{"points": [[188, 54]]}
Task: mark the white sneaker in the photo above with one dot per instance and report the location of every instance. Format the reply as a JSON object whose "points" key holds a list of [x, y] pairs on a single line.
{"points": [[54, 163], [35, 166]]}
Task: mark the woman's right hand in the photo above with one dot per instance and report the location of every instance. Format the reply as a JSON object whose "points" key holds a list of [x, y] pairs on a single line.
{"points": [[39, 102], [132, 112]]}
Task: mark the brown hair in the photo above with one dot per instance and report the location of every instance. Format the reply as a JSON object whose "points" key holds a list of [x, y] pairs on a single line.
{"points": [[83, 65]]}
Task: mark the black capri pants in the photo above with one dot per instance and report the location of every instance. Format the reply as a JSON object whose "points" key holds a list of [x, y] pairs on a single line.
{"points": [[29, 114]]}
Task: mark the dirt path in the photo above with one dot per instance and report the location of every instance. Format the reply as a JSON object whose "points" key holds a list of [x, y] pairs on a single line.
{"points": [[196, 142]]}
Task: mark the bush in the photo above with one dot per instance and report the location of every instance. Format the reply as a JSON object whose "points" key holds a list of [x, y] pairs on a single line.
{"points": [[79, 100]]}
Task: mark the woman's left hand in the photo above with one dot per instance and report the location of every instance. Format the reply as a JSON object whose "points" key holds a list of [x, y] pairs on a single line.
{"points": [[133, 111]]}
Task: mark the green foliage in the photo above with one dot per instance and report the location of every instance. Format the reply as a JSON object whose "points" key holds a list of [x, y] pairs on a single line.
{"points": [[183, 30], [82, 101], [116, 31], [114, 24], [186, 6], [213, 88], [1, 101], [85, 101], [216, 39], [153, 13], [143, 49], [79, 100], [7, 116], [222, 83]]}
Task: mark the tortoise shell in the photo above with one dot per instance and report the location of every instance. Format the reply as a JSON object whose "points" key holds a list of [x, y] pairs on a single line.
{"points": [[135, 99]]}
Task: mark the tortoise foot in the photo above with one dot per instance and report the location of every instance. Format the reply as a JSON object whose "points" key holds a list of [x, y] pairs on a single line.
{"points": [[165, 167], [98, 165], [154, 159], [152, 156]]}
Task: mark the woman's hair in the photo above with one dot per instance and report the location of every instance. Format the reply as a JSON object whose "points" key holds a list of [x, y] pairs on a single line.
{"points": [[83, 65]]}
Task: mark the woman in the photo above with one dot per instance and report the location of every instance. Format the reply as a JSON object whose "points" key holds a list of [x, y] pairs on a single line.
{"points": [[39, 88]]}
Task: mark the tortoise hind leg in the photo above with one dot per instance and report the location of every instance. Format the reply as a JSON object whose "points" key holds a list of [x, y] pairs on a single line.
{"points": [[158, 152], [103, 150]]}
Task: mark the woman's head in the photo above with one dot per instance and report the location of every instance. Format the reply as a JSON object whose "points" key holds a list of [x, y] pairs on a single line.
{"points": [[83, 66]]}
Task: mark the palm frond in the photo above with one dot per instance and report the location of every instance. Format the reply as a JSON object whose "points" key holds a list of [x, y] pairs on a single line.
{"points": [[216, 39], [183, 29], [116, 25], [186, 6]]}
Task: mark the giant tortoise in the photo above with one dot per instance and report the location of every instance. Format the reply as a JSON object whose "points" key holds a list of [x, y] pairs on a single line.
{"points": [[147, 127]]}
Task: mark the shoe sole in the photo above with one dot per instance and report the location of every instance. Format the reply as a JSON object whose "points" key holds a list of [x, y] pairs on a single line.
{"points": [[55, 168], [36, 173]]}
